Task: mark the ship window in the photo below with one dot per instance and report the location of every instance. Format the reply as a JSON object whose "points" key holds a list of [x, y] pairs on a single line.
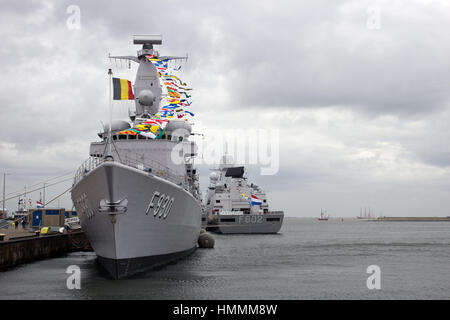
{"points": [[217, 201], [122, 136], [273, 219], [227, 220], [114, 137], [141, 137], [132, 137], [180, 139], [264, 200], [169, 137]]}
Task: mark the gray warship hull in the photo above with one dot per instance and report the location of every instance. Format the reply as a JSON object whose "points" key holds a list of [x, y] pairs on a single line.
{"points": [[135, 238], [247, 224]]}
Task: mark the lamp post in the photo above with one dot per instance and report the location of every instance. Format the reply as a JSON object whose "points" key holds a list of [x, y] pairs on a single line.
{"points": [[4, 182], [4, 190]]}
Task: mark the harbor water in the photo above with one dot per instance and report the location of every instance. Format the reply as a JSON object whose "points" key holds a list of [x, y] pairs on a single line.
{"points": [[308, 259]]}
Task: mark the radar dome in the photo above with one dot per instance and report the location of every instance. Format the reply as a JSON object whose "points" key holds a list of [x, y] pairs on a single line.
{"points": [[146, 97], [178, 128], [117, 125], [214, 176]]}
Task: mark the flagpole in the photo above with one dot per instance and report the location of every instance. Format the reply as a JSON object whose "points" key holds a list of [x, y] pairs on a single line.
{"points": [[110, 113], [43, 202], [4, 193]]}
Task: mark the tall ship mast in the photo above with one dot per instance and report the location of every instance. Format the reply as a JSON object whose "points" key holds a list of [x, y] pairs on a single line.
{"points": [[138, 194], [322, 216]]}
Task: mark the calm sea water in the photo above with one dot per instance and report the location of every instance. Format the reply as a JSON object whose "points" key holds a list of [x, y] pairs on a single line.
{"points": [[307, 260]]}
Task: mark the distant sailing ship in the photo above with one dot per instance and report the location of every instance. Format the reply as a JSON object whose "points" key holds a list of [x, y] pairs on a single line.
{"points": [[367, 215], [322, 216]]}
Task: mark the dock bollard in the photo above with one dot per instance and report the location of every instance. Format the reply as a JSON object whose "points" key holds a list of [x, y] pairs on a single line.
{"points": [[205, 240]]}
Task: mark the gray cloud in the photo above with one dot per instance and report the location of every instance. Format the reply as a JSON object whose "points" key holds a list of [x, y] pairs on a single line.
{"points": [[363, 114]]}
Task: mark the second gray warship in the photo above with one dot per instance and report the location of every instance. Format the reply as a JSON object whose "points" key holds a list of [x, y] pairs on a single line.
{"points": [[232, 205], [139, 207]]}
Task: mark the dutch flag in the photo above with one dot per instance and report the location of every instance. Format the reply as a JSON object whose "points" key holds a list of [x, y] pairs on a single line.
{"points": [[255, 201], [39, 204]]}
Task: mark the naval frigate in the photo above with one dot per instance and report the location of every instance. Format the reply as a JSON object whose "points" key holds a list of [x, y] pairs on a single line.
{"points": [[233, 205], [138, 206]]}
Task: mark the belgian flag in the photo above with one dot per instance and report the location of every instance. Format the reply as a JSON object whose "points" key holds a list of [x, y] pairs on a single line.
{"points": [[122, 89]]}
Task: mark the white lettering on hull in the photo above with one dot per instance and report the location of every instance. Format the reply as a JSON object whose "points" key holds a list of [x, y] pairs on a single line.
{"points": [[161, 208]]}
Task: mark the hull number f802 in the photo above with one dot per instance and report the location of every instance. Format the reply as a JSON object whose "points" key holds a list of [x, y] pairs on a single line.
{"points": [[160, 205]]}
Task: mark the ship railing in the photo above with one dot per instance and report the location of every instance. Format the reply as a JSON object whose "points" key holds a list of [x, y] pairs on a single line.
{"points": [[274, 212], [149, 166], [88, 165], [154, 167]]}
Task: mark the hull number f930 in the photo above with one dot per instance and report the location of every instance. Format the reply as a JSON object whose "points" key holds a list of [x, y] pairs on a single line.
{"points": [[160, 205]]}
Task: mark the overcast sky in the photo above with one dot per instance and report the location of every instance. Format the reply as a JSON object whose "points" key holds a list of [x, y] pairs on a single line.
{"points": [[358, 90]]}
